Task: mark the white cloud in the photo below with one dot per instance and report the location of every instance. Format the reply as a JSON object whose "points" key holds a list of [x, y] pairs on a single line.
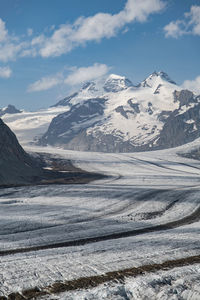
{"points": [[190, 24], [194, 17], [38, 40], [10, 45], [10, 50], [75, 77], [192, 85], [45, 83], [5, 72], [3, 31], [94, 28], [80, 75], [140, 10], [174, 29], [56, 42]]}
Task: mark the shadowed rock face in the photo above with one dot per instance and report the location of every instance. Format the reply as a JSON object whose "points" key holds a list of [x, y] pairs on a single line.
{"points": [[181, 128], [71, 124], [116, 84], [19, 168], [16, 166], [78, 129], [116, 116]]}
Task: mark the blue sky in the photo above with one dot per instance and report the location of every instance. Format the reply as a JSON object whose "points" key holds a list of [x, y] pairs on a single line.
{"points": [[48, 48]]}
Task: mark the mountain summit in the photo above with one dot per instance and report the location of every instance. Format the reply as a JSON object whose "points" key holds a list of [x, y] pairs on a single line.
{"points": [[10, 109], [155, 79], [115, 83], [112, 84]]}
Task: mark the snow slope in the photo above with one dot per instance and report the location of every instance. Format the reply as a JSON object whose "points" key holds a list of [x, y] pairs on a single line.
{"points": [[180, 283]]}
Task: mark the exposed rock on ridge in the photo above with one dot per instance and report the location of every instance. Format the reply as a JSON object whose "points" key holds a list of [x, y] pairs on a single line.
{"points": [[116, 116], [10, 109]]}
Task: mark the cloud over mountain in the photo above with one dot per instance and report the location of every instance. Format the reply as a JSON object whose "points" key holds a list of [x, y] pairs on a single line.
{"points": [[193, 85], [75, 76], [80, 75]]}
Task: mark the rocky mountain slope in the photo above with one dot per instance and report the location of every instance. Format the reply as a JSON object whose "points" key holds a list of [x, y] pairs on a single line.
{"points": [[19, 168], [10, 109], [115, 116], [16, 166]]}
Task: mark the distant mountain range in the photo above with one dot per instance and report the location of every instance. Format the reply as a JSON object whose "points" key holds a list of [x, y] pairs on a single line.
{"points": [[113, 115], [10, 109]]}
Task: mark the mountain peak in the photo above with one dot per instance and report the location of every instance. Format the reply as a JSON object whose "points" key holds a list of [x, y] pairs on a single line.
{"points": [[115, 83], [156, 78], [116, 77], [10, 109], [165, 77], [87, 85]]}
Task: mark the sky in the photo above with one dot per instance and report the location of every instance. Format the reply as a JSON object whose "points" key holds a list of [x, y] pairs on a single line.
{"points": [[49, 48]]}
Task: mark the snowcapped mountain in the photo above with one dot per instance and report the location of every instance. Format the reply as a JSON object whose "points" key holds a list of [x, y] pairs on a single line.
{"points": [[115, 83], [10, 109], [95, 89], [156, 79], [113, 115]]}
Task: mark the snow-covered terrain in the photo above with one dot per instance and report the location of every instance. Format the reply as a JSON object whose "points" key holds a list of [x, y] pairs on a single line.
{"points": [[143, 190], [180, 283], [29, 126]]}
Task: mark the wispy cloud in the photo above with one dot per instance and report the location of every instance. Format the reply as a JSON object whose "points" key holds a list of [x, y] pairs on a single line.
{"points": [[10, 45], [97, 27], [189, 24], [66, 37], [5, 72], [80, 75], [74, 77], [9, 50], [192, 85], [3, 31], [45, 83]]}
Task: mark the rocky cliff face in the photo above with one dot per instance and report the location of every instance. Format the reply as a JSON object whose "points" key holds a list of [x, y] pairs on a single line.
{"points": [[183, 124], [19, 168], [116, 116], [16, 166]]}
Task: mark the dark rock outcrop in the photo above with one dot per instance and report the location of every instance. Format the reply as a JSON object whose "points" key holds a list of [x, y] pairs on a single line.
{"points": [[113, 115], [10, 109], [16, 166], [77, 120], [19, 168], [70, 129]]}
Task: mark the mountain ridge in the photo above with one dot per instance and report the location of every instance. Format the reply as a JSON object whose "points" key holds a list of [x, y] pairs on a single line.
{"points": [[124, 117], [10, 109]]}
